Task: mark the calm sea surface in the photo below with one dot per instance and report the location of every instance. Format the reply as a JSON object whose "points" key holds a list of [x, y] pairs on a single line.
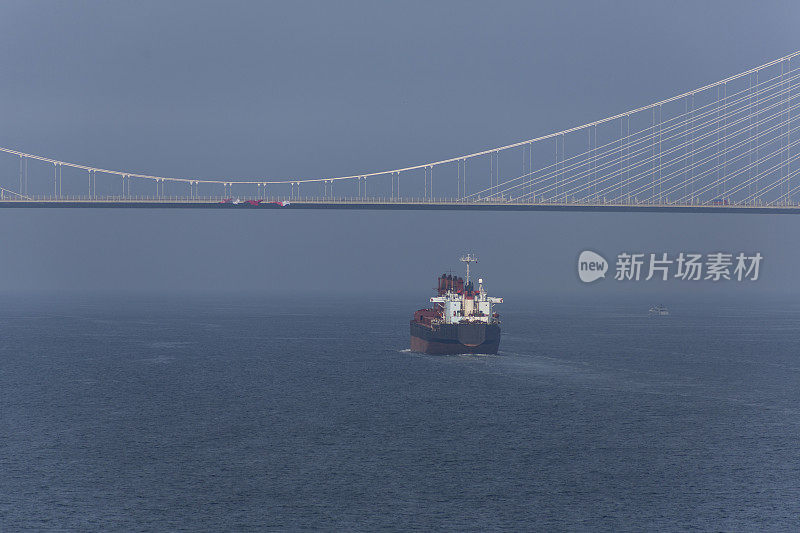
{"points": [[241, 414]]}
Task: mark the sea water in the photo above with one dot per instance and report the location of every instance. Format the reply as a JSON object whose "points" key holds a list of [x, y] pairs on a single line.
{"points": [[245, 413]]}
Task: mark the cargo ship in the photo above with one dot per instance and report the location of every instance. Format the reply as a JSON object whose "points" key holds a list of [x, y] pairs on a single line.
{"points": [[461, 320]]}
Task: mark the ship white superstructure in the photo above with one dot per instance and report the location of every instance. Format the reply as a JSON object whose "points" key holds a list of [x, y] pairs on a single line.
{"points": [[459, 302]]}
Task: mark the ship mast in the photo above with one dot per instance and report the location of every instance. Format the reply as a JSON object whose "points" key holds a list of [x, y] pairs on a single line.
{"points": [[469, 258]]}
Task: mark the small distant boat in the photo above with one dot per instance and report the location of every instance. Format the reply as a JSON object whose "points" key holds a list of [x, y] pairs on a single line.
{"points": [[659, 310]]}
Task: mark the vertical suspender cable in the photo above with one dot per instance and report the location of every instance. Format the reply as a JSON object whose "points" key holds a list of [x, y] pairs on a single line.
{"points": [[787, 95], [660, 165], [724, 136], [691, 167]]}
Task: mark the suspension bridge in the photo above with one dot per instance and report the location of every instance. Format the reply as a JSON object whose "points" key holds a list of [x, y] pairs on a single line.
{"points": [[730, 146]]}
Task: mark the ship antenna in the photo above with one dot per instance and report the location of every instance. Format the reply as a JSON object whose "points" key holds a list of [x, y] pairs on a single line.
{"points": [[469, 258]]}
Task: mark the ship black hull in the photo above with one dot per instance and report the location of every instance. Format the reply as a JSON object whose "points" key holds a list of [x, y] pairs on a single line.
{"points": [[451, 339]]}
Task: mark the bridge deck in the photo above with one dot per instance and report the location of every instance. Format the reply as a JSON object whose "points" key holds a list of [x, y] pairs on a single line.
{"points": [[368, 204]]}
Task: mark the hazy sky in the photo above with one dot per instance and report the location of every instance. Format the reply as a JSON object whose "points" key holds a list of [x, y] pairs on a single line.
{"points": [[240, 89]]}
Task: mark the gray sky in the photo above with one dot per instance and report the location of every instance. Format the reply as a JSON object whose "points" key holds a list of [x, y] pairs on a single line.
{"points": [[239, 89]]}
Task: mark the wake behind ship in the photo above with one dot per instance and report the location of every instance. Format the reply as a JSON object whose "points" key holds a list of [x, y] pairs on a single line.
{"points": [[460, 321]]}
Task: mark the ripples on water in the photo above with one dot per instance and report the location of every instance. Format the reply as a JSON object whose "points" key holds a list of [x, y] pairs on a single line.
{"points": [[214, 414]]}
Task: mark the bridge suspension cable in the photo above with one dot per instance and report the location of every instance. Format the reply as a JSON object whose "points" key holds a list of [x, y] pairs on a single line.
{"points": [[731, 141], [678, 122]]}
